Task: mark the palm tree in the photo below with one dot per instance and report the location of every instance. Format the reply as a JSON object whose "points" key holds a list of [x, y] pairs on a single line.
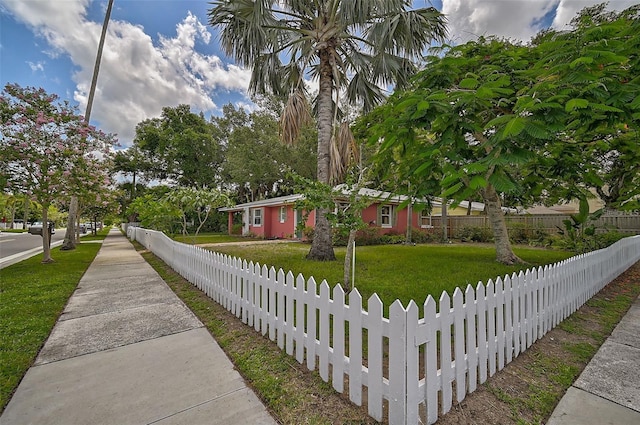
{"points": [[352, 48]]}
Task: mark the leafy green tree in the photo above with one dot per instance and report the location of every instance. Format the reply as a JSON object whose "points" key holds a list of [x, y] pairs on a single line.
{"points": [[587, 83], [181, 146], [155, 213], [493, 117], [256, 162], [49, 149], [196, 203], [350, 47], [456, 128]]}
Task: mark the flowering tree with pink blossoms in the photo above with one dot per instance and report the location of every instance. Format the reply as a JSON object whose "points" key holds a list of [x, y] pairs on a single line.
{"points": [[49, 151]]}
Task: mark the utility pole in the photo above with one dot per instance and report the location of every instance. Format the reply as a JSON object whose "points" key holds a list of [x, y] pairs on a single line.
{"points": [[70, 235]]}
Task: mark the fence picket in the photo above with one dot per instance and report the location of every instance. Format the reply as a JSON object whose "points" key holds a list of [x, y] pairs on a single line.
{"points": [[445, 352], [355, 347], [412, 376], [458, 345], [283, 288], [311, 301], [338, 343], [374, 369], [500, 344], [483, 343], [471, 332], [324, 321], [432, 383], [397, 363], [491, 327], [299, 302], [508, 319]]}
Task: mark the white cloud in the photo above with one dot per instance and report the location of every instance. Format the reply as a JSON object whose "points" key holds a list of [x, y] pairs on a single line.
{"points": [[137, 77], [514, 19], [37, 66]]}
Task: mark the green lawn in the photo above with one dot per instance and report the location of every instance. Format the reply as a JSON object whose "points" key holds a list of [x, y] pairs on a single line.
{"points": [[33, 295], [399, 271], [210, 238]]}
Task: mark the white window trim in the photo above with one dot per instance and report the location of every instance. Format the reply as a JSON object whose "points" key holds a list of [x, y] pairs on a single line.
{"points": [[254, 216], [282, 214], [422, 217], [390, 215]]}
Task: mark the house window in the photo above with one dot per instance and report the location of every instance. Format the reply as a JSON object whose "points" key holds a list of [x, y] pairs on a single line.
{"points": [[386, 212], [425, 219], [283, 214], [257, 217]]}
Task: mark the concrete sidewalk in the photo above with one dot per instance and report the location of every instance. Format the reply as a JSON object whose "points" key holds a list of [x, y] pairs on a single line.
{"points": [[126, 350], [608, 390]]}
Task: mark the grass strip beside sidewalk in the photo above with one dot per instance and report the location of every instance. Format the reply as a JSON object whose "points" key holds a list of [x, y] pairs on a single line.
{"points": [[32, 297]]}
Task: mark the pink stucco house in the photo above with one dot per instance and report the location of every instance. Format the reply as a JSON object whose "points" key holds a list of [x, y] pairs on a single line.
{"points": [[278, 217]]}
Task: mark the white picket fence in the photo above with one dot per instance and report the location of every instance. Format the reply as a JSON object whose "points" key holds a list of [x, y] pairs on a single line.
{"points": [[406, 362]]}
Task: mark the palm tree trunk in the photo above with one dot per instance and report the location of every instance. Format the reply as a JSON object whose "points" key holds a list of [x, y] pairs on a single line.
{"points": [[504, 253], [322, 247]]}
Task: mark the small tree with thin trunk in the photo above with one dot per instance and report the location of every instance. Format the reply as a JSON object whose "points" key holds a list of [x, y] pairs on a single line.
{"points": [[45, 144], [196, 203]]}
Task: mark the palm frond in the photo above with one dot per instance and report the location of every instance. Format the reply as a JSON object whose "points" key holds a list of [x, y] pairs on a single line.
{"points": [[344, 153], [295, 116], [336, 167], [407, 33], [362, 90], [245, 27]]}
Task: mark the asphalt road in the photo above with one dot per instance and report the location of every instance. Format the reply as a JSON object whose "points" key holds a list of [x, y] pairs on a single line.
{"points": [[19, 246]]}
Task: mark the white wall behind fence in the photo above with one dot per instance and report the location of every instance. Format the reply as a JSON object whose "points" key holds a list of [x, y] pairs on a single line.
{"points": [[410, 358]]}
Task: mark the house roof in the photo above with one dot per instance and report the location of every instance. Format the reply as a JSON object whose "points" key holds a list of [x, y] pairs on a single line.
{"points": [[281, 200], [371, 193]]}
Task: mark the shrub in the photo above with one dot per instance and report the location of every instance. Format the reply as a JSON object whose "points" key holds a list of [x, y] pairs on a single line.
{"points": [[392, 238], [427, 235], [307, 233], [236, 229], [519, 233], [474, 234], [369, 236]]}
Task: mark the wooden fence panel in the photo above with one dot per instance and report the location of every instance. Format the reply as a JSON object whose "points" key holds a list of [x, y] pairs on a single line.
{"points": [[549, 223]]}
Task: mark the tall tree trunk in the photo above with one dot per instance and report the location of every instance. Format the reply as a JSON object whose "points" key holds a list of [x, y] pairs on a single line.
{"points": [[322, 247], [70, 238], [71, 231], [504, 253], [46, 237]]}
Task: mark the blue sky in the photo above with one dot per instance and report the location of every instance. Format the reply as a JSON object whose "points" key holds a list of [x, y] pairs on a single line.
{"points": [[162, 52]]}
